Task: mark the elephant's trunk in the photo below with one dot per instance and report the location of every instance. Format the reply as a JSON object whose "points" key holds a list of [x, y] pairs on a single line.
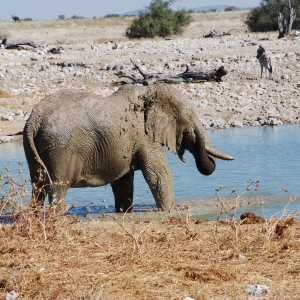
{"points": [[204, 162]]}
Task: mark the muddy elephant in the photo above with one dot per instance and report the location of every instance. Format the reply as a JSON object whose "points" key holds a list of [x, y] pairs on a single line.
{"points": [[78, 139]]}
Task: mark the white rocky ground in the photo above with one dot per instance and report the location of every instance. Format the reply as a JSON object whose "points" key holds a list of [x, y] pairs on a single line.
{"points": [[242, 99]]}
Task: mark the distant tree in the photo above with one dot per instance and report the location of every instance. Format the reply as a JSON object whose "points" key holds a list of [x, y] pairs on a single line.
{"points": [[231, 8], [285, 22], [77, 17], [111, 16], [159, 20], [265, 17], [61, 17]]}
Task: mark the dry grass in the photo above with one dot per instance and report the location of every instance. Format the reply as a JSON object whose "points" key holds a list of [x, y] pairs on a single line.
{"points": [[29, 29], [217, 16], [129, 257], [68, 23], [46, 255], [114, 22]]}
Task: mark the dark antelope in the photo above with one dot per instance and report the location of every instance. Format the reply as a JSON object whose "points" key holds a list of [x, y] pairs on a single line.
{"points": [[15, 18]]}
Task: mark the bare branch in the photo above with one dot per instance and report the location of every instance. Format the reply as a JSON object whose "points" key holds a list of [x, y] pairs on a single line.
{"points": [[187, 76]]}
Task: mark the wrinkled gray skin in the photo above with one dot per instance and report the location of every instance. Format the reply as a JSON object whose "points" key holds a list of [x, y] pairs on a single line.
{"points": [[77, 139]]}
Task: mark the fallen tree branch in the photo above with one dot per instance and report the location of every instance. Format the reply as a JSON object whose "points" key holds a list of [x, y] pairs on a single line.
{"points": [[16, 43], [193, 76], [213, 33]]}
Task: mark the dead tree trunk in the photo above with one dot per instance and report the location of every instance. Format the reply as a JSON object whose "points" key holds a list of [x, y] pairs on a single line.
{"points": [[285, 24], [188, 76]]}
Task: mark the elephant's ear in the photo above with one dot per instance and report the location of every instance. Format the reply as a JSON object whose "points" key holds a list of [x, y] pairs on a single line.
{"points": [[163, 115]]}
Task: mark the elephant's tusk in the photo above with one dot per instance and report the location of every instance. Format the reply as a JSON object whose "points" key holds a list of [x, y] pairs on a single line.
{"points": [[218, 154]]}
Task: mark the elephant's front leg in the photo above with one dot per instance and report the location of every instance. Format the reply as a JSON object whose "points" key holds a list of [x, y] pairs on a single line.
{"points": [[156, 170], [123, 192]]}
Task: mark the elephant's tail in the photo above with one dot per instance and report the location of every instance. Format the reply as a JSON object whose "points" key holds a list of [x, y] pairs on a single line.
{"points": [[38, 170]]}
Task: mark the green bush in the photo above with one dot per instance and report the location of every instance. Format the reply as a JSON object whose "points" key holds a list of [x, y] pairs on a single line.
{"points": [[231, 8], [264, 17], [159, 20], [112, 16]]}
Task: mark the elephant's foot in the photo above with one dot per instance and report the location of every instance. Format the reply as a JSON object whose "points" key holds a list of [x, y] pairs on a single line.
{"points": [[165, 205], [123, 207]]}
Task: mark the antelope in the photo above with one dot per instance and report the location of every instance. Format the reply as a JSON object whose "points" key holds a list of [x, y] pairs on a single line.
{"points": [[16, 18]]}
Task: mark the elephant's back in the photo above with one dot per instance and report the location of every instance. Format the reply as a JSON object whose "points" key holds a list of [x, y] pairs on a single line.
{"points": [[67, 114]]}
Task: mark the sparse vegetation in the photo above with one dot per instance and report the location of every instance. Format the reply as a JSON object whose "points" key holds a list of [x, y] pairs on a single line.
{"points": [[67, 23], [159, 20], [144, 256]]}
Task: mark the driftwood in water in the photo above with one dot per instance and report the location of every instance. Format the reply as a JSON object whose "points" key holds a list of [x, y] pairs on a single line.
{"points": [[213, 33], [16, 43], [189, 76]]}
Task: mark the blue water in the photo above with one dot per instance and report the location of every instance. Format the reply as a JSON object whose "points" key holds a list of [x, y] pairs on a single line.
{"points": [[270, 155]]}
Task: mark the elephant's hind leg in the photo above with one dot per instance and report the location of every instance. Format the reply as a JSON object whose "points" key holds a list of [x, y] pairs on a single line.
{"points": [[123, 192]]}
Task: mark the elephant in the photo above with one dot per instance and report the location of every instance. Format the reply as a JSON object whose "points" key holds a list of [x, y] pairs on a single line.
{"points": [[74, 139]]}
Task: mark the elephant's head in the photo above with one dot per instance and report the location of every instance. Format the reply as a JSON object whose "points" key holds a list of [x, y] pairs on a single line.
{"points": [[171, 120]]}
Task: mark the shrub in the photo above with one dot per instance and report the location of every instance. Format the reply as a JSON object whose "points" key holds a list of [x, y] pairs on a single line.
{"points": [[112, 16], [159, 20], [264, 17], [231, 8], [75, 17]]}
